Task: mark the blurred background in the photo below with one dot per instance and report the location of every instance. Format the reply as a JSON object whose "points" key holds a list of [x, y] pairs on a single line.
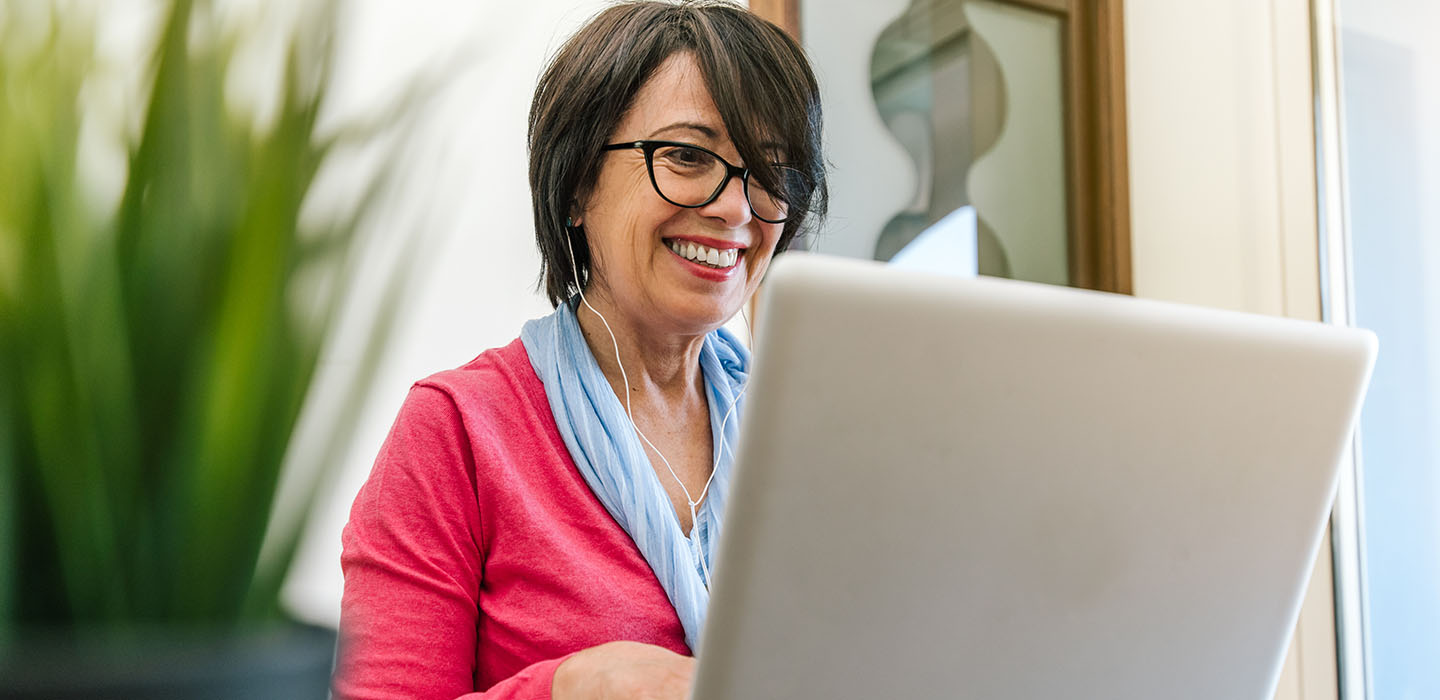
{"points": [[233, 233]]}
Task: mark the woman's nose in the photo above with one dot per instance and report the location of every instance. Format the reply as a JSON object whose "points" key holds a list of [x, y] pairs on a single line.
{"points": [[731, 206]]}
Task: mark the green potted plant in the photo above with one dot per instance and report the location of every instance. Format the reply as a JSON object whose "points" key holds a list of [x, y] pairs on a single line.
{"points": [[155, 355]]}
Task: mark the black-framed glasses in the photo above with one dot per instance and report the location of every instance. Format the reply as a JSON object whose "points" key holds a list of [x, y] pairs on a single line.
{"points": [[689, 176]]}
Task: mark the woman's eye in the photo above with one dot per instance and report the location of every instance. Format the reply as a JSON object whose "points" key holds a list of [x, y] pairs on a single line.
{"points": [[685, 156]]}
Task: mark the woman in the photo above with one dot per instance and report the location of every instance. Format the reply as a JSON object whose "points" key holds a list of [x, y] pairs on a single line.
{"points": [[541, 522]]}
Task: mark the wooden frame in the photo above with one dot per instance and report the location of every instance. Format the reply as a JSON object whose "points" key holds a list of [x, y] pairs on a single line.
{"points": [[1098, 154], [1097, 159], [785, 13]]}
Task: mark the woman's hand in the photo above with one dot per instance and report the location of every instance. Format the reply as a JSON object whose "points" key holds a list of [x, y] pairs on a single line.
{"points": [[624, 670]]}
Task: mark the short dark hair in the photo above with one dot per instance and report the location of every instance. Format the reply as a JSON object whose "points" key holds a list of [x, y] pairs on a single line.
{"points": [[757, 74]]}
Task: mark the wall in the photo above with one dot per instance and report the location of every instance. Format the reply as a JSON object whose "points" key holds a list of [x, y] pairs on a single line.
{"points": [[1222, 183], [1223, 203], [871, 177], [478, 262]]}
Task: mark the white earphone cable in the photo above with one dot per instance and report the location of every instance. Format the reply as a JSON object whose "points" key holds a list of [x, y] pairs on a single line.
{"points": [[625, 380]]}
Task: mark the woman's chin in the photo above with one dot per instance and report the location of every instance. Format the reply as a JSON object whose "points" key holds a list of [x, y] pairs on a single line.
{"points": [[703, 315]]}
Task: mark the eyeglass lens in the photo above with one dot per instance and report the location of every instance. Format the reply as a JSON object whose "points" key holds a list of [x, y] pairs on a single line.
{"points": [[689, 177]]}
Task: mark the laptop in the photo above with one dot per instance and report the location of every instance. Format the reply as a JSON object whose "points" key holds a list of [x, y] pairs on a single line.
{"points": [[983, 488]]}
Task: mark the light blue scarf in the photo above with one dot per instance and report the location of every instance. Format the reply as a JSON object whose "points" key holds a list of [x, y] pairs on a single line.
{"points": [[602, 441]]}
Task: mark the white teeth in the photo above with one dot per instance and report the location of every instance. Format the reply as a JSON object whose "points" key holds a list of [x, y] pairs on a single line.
{"points": [[713, 257]]}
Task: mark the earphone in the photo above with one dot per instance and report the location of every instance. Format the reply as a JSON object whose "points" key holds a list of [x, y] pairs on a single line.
{"points": [[625, 380]]}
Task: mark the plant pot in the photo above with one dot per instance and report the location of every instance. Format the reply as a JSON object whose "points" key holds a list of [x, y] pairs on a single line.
{"points": [[271, 663]]}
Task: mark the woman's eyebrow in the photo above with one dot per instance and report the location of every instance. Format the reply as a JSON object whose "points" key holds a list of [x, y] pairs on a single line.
{"points": [[712, 134], [704, 130]]}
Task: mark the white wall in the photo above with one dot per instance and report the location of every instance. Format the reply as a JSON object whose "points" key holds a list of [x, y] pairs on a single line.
{"points": [[1222, 179], [479, 266], [870, 178], [1220, 172]]}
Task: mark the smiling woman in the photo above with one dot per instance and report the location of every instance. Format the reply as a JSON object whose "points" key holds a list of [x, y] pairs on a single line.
{"points": [[626, 224], [541, 521]]}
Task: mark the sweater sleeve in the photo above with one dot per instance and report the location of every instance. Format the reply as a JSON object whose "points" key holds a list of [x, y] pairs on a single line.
{"points": [[413, 561]]}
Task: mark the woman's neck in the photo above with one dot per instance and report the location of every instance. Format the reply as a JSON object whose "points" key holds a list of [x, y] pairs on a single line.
{"points": [[660, 367]]}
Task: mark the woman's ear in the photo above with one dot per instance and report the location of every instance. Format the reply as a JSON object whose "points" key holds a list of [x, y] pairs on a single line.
{"points": [[574, 217]]}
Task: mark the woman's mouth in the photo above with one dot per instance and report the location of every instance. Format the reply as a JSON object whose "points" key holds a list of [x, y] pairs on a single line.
{"points": [[717, 258]]}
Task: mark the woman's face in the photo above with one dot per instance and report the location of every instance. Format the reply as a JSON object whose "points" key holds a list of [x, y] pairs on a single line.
{"points": [[633, 232]]}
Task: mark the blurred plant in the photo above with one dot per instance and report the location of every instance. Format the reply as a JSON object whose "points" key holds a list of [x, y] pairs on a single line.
{"points": [[154, 360]]}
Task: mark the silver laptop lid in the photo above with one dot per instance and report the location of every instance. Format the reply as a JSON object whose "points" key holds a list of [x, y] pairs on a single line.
{"points": [[991, 489]]}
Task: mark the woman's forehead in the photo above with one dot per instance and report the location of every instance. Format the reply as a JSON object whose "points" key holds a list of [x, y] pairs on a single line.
{"points": [[675, 102]]}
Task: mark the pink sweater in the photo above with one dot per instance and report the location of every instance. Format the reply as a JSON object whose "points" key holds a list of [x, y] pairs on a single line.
{"points": [[476, 557]]}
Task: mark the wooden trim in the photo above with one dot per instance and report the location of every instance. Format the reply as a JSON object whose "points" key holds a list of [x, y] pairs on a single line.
{"points": [[1098, 160], [785, 13]]}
